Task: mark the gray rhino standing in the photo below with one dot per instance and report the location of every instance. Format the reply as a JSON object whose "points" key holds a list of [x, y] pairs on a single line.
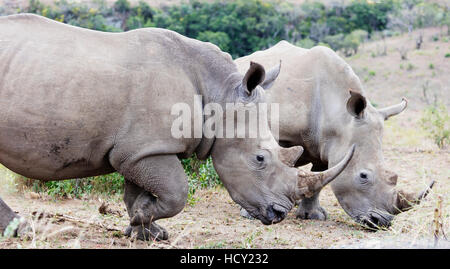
{"points": [[323, 109], [78, 103]]}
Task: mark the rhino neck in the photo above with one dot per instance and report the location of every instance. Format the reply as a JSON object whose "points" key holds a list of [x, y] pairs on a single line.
{"points": [[215, 76]]}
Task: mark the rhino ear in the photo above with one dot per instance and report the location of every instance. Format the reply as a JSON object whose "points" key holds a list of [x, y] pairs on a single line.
{"points": [[271, 75], [356, 104], [290, 156], [254, 76]]}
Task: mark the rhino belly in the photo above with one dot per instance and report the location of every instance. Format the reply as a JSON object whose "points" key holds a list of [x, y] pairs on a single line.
{"points": [[48, 155]]}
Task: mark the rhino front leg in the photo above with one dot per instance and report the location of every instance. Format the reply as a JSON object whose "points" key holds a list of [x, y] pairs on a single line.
{"points": [[6, 216], [309, 208], [155, 188]]}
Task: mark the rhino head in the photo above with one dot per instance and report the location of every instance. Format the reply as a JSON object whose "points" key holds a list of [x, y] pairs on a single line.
{"points": [[366, 189], [257, 172]]}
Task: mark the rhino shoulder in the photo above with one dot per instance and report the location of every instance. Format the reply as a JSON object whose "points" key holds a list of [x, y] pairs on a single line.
{"points": [[336, 66], [324, 52]]}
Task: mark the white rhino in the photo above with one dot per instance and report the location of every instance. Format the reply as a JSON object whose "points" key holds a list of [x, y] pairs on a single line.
{"points": [[323, 108], [78, 103]]}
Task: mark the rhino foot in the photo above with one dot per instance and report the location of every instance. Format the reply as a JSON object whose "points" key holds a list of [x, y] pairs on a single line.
{"points": [[146, 233], [245, 214], [317, 213]]}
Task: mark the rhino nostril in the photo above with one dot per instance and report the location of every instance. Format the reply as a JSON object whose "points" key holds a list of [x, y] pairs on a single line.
{"points": [[377, 220], [279, 214], [275, 214], [363, 175], [374, 220]]}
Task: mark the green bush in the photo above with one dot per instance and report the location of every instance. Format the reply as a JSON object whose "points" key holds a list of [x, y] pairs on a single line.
{"points": [[105, 184], [435, 122], [201, 175], [221, 39], [306, 43]]}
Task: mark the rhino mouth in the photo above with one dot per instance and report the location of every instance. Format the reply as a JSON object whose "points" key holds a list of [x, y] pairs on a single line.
{"points": [[375, 219], [272, 214]]}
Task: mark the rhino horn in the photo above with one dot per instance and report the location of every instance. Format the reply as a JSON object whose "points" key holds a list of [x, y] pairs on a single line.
{"points": [[309, 183], [390, 111], [406, 200]]}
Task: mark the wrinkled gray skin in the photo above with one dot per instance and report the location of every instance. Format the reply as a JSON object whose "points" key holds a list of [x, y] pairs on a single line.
{"points": [[323, 108], [77, 103]]}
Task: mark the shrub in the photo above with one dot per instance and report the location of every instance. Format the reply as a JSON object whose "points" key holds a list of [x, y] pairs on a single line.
{"points": [[201, 175], [436, 122], [306, 43], [221, 39]]}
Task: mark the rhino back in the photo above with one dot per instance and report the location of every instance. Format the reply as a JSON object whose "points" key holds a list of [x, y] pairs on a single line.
{"points": [[69, 95]]}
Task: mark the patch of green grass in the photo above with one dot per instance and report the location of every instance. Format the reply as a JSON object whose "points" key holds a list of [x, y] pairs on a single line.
{"points": [[213, 245], [372, 73], [431, 66], [447, 55], [248, 242]]}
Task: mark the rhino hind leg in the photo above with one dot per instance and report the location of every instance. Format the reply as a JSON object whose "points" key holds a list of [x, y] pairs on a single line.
{"points": [[155, 188]]}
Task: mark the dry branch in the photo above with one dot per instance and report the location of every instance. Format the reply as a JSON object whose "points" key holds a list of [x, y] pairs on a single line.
{"points": [[62, 217]]}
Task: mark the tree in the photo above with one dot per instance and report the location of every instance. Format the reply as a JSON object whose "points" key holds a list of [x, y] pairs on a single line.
{"points": [[220, 39]]}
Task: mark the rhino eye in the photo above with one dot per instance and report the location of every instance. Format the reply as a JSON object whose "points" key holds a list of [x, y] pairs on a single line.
{"points": [[365, 177], [259, 158]]}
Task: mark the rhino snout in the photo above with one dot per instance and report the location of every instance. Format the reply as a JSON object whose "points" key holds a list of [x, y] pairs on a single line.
{"points": [[376, 219], [275, 214]]}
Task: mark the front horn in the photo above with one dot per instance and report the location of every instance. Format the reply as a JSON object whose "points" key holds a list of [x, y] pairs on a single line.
{"points": [[393, 110], [310, 183], [406, 200]]}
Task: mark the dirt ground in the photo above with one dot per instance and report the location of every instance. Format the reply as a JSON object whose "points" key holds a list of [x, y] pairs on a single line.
{"points": [[214, 221]]}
